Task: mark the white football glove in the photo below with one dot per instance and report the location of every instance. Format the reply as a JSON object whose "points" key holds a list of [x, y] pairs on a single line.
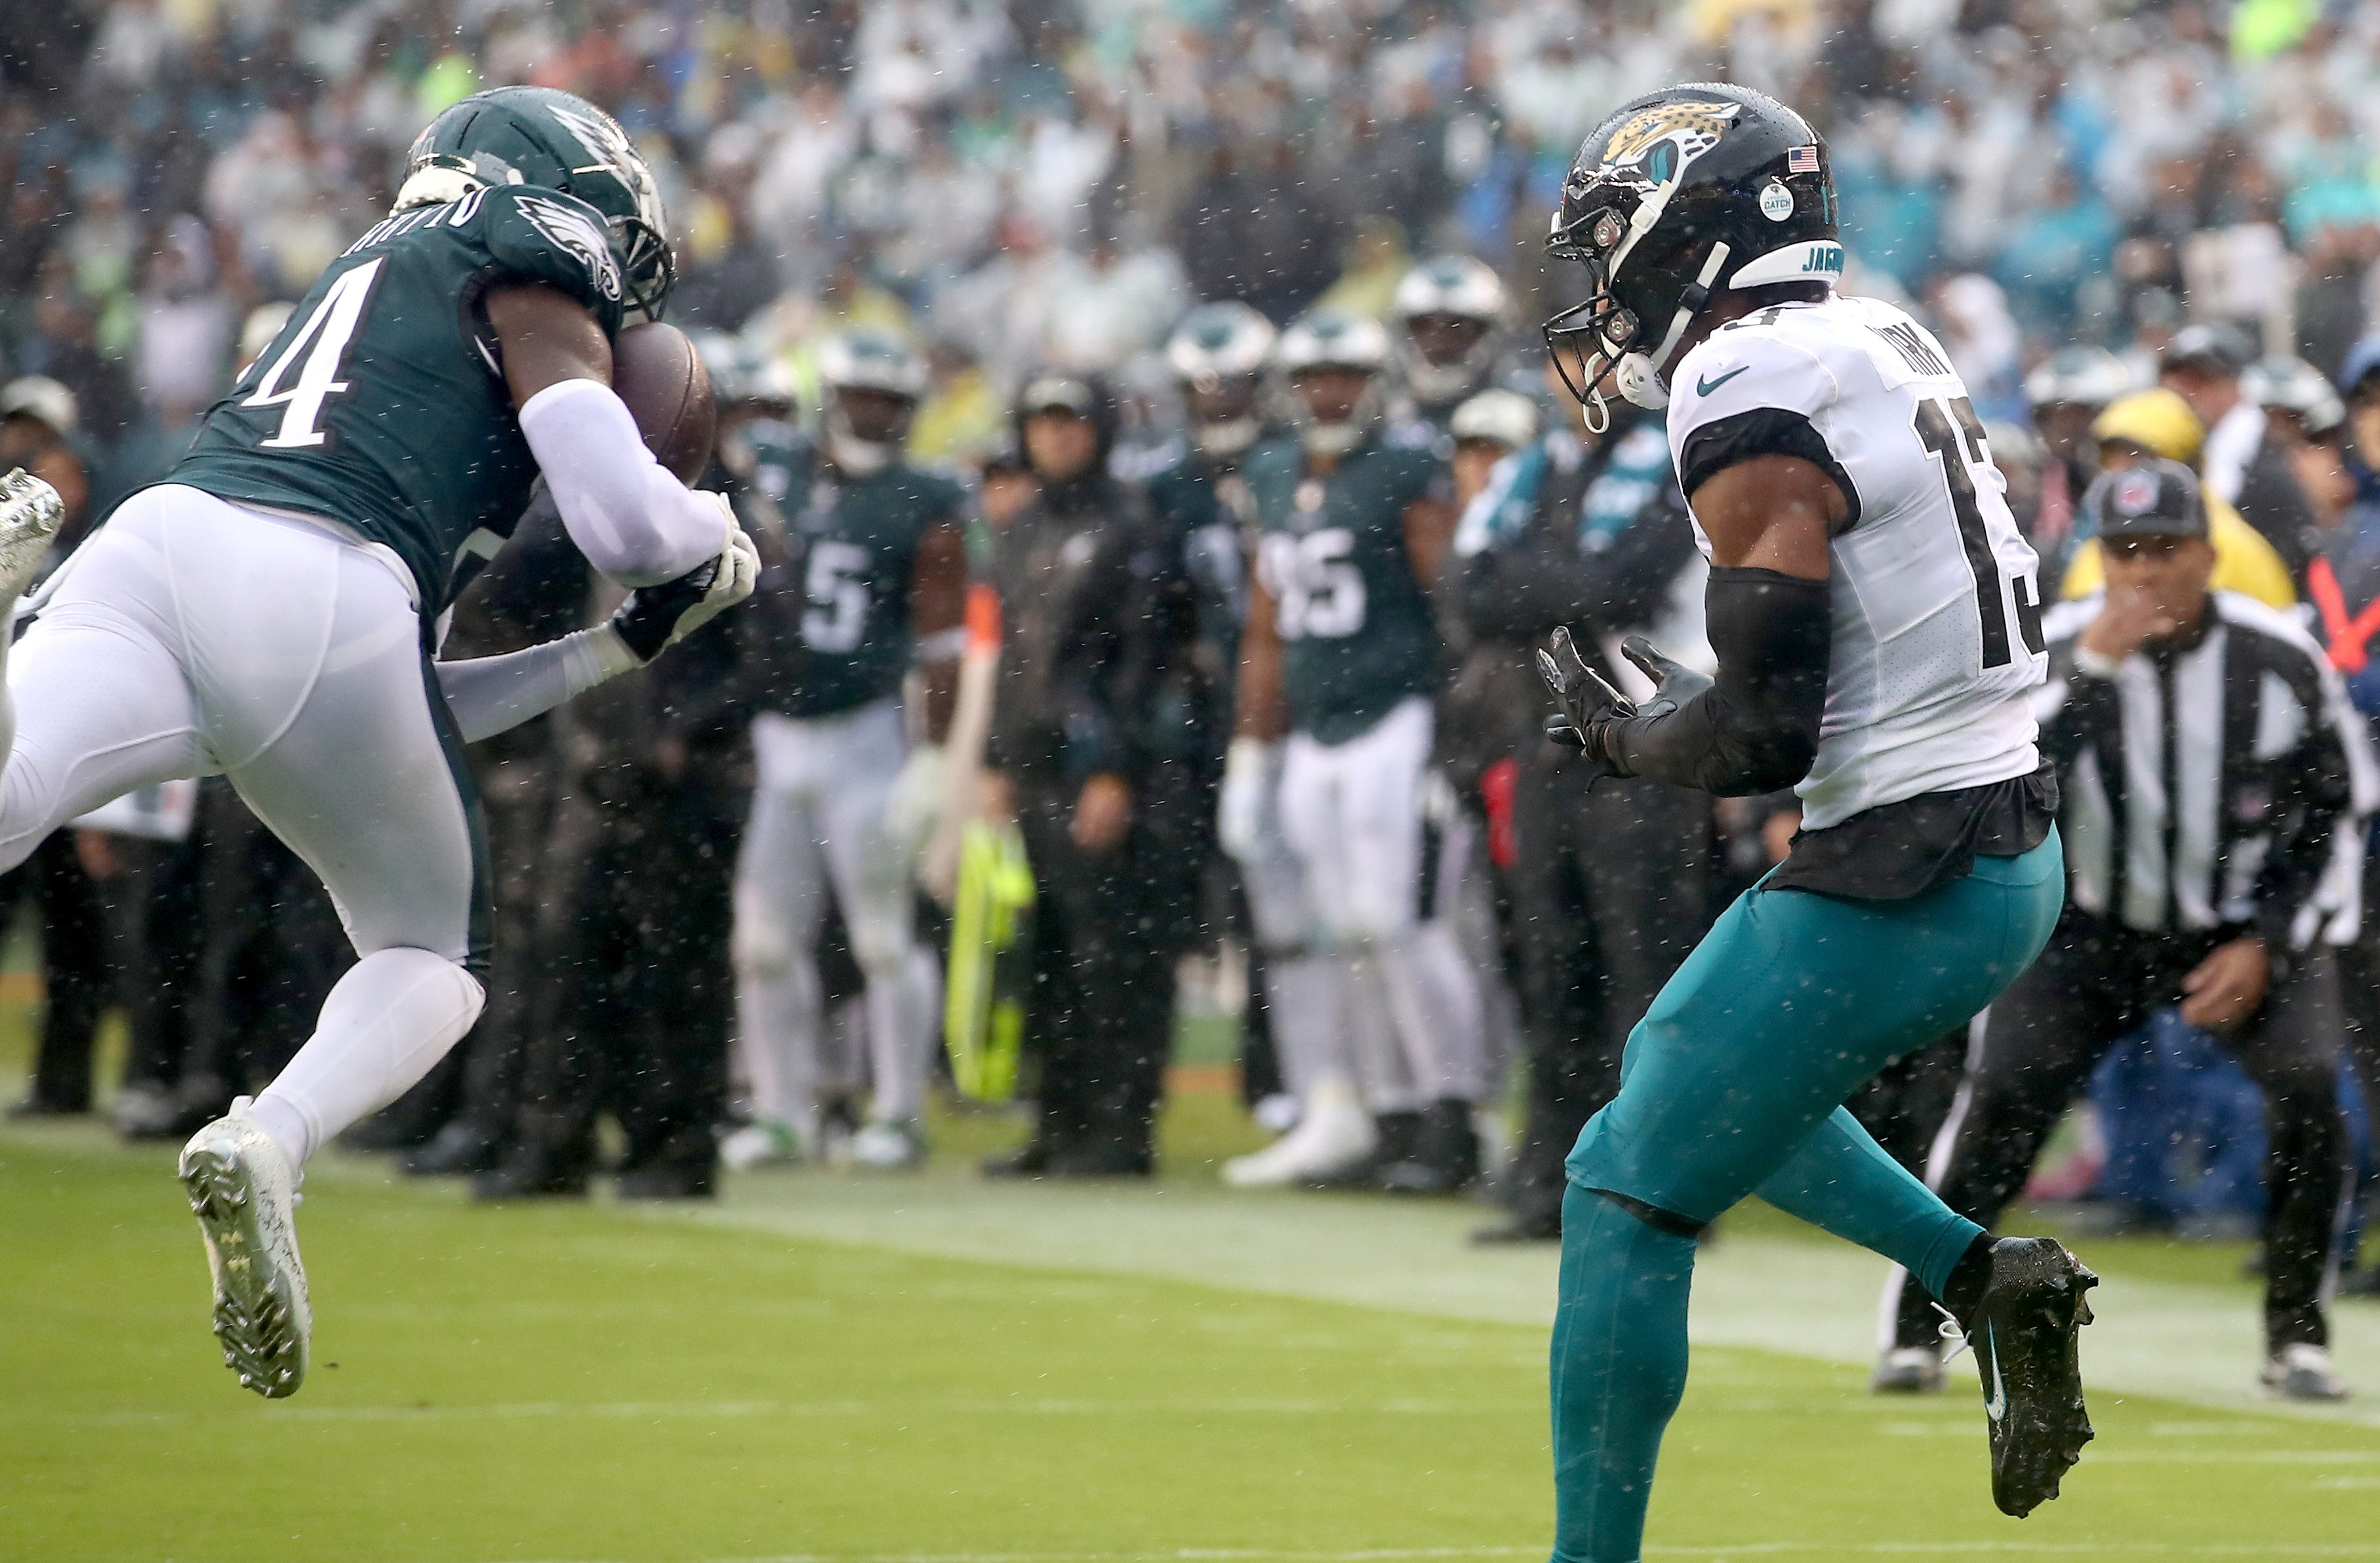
{"points": [[655, 618], [914, 809], [1245, 809]]}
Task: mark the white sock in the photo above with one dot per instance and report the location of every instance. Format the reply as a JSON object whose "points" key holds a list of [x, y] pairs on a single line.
{"points": [[904, 1023], [1433, 999], [283, 1124], [1305, 1003], [1379, 1063], [778, 1024], [394, 1014]]}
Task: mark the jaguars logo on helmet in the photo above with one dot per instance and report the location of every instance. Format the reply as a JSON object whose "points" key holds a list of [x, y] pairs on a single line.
{"points": [[1676, 197], [557, 141], [1658, 141]]}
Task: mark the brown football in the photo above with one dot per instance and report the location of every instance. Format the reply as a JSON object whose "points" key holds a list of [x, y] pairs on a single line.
{"points": [[659, 375]]}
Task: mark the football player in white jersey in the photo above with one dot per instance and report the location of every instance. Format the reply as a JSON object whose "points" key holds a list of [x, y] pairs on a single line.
{"points": [[1874, 614]]}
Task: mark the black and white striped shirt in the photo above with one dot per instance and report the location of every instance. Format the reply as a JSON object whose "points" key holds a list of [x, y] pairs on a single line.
{"points": [[2212, 785]]}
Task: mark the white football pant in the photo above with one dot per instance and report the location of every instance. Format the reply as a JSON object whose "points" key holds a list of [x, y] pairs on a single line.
{"points": [[1304, 984], [819, 823], [1353, 813], [191, 636]]}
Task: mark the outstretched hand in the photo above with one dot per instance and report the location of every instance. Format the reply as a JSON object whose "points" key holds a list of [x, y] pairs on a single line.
{"points": [[1674, 684], [1589, 704]]}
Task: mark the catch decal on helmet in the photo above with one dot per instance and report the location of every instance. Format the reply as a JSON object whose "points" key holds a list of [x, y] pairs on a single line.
{"points": [[1675, 197]]}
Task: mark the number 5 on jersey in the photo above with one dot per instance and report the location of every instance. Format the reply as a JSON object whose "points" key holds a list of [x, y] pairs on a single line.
{"points": [[323, 339], [836, 586], [1960, 457]]}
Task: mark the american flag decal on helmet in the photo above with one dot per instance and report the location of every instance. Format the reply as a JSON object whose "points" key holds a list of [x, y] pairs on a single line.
{"points": [[1801, 160]]}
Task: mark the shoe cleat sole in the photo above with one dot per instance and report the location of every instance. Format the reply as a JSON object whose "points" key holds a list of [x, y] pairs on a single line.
{"points": [[260, 1316]]}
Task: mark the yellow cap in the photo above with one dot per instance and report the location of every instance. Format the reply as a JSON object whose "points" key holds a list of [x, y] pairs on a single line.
{"points": [[2155, 420]]}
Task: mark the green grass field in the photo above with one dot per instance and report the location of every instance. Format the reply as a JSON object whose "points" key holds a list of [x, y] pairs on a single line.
{"points": [[833, 1368]]}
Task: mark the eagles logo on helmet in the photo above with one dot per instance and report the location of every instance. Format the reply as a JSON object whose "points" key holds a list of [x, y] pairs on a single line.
{"points": [[1670, 202]]}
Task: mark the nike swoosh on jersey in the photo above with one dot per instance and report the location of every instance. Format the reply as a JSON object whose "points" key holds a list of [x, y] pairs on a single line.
{"points": [[1705, 387], [1996, 1404]]}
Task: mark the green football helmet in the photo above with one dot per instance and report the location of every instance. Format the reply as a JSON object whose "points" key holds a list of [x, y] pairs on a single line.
{"points": [[557, 141]]}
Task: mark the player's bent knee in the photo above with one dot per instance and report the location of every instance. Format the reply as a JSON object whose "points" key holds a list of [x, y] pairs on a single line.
{"points": [[760, 946], [880, 949]]}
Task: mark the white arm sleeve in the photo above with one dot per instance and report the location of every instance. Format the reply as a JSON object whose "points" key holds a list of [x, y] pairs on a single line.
{"points": [[490, 694], [629, 514]]}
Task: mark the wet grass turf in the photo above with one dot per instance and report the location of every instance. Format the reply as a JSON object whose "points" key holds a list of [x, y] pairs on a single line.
{"points": [[571, 1383]]}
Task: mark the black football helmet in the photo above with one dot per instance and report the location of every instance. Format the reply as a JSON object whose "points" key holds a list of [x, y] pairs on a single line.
{"points": [[1677, 195]]}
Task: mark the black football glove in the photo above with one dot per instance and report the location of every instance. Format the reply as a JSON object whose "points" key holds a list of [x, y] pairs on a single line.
{"points": [[1588, 702], [1674, 683], [655, 618]]}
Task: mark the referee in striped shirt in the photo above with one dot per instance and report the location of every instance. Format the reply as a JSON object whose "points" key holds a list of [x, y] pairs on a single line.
{"points": [[2211, 767]]}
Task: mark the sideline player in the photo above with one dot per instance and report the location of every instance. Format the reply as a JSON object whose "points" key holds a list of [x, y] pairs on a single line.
{"points": [[1342, 656], [1218, 355], [269, 612], [872, 574], [1876, 616]]}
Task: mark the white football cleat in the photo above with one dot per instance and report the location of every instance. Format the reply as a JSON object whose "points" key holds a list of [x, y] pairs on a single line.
{"points": [[2303, 1372], [1909, 1370], [243, 1189], [1334, 1135], [31, 514], [761, 1143], [889, 1146]]}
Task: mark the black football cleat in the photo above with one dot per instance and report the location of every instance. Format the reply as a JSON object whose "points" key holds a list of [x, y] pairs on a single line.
{"points": [[2022, 1332]]}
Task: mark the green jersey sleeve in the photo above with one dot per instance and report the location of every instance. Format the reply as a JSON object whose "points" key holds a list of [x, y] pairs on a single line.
{"points": [[542, 236]]}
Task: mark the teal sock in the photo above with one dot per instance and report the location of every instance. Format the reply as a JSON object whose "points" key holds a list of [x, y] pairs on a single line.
{"points": [[1619, 1370], [1840, 1181]]}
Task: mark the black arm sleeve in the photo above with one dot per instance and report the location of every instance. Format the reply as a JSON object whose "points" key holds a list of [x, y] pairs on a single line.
{"points": [[1756, 729]]}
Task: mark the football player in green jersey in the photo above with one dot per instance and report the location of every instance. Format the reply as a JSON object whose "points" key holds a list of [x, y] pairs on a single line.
{"points": [[1449, 321], [1342, 655], [270, 611], [871, 579], [1220, 355]]}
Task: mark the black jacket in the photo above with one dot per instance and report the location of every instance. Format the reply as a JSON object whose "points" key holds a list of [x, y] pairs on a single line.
{"points": [[2247, 727], [1096, 612]]}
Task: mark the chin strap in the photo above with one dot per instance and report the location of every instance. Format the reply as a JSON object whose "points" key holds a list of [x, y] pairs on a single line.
{"points": [[1639, 374]]}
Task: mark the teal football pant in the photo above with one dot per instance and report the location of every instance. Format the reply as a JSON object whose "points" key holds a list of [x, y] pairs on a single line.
{"points": [[1732, 1084]]}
